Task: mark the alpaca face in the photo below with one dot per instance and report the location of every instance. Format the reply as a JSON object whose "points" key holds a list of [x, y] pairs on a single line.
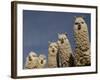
{"points": [[42, 61], [62, 38], [32, 60], [32, 56], [53, 48], [79, 23]]}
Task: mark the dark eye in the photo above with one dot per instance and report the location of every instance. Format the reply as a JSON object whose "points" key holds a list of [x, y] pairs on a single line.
{"points": [[55, 46], [34, 55], [50, 46], [44, 58], [64, 38], [76, 23], [82, 22], [59, 39]]}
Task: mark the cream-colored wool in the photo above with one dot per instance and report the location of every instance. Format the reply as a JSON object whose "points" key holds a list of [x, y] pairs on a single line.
{"points": [[65, 51], [42, 61], [31, 61], [52, 54], [35, 61], [82, 50]]}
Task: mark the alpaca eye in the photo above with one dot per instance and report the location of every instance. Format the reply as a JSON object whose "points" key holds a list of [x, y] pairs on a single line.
{"points": [[34, 55], [76, 23], [82, 22], [50, 46], [55, 46], [59, 39], [64, 38], [44, 58]]}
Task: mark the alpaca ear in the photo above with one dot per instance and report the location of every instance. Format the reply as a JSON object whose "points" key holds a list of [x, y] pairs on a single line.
{"points": [[49, 42], [58, 34], [75, 17], [82, 17], [79, 16], [65, 33]]}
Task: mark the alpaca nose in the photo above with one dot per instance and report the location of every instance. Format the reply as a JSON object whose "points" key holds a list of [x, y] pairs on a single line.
{"points": [[79, 27]]}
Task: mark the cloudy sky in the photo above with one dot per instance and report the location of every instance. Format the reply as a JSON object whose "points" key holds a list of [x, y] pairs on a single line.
{"points": [[39, 27]]}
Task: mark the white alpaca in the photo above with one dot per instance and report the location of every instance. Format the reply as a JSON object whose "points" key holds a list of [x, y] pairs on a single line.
{"points": [[31, 61], [52, 54], [42, 61], [82, 51], [65, 58]]}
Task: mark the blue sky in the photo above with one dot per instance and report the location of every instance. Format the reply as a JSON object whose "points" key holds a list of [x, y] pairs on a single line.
{"points": [[39, 27]]}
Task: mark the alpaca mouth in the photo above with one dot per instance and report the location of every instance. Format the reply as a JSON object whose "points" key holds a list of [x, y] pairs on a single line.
{"points": [[41, 61], [53, 50], [62, 41], [79, 27], [30, 59]]}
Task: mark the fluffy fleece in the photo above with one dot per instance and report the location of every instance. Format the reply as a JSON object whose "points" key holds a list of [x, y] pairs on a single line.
{"points": [[82, 50], [52, 54]]}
